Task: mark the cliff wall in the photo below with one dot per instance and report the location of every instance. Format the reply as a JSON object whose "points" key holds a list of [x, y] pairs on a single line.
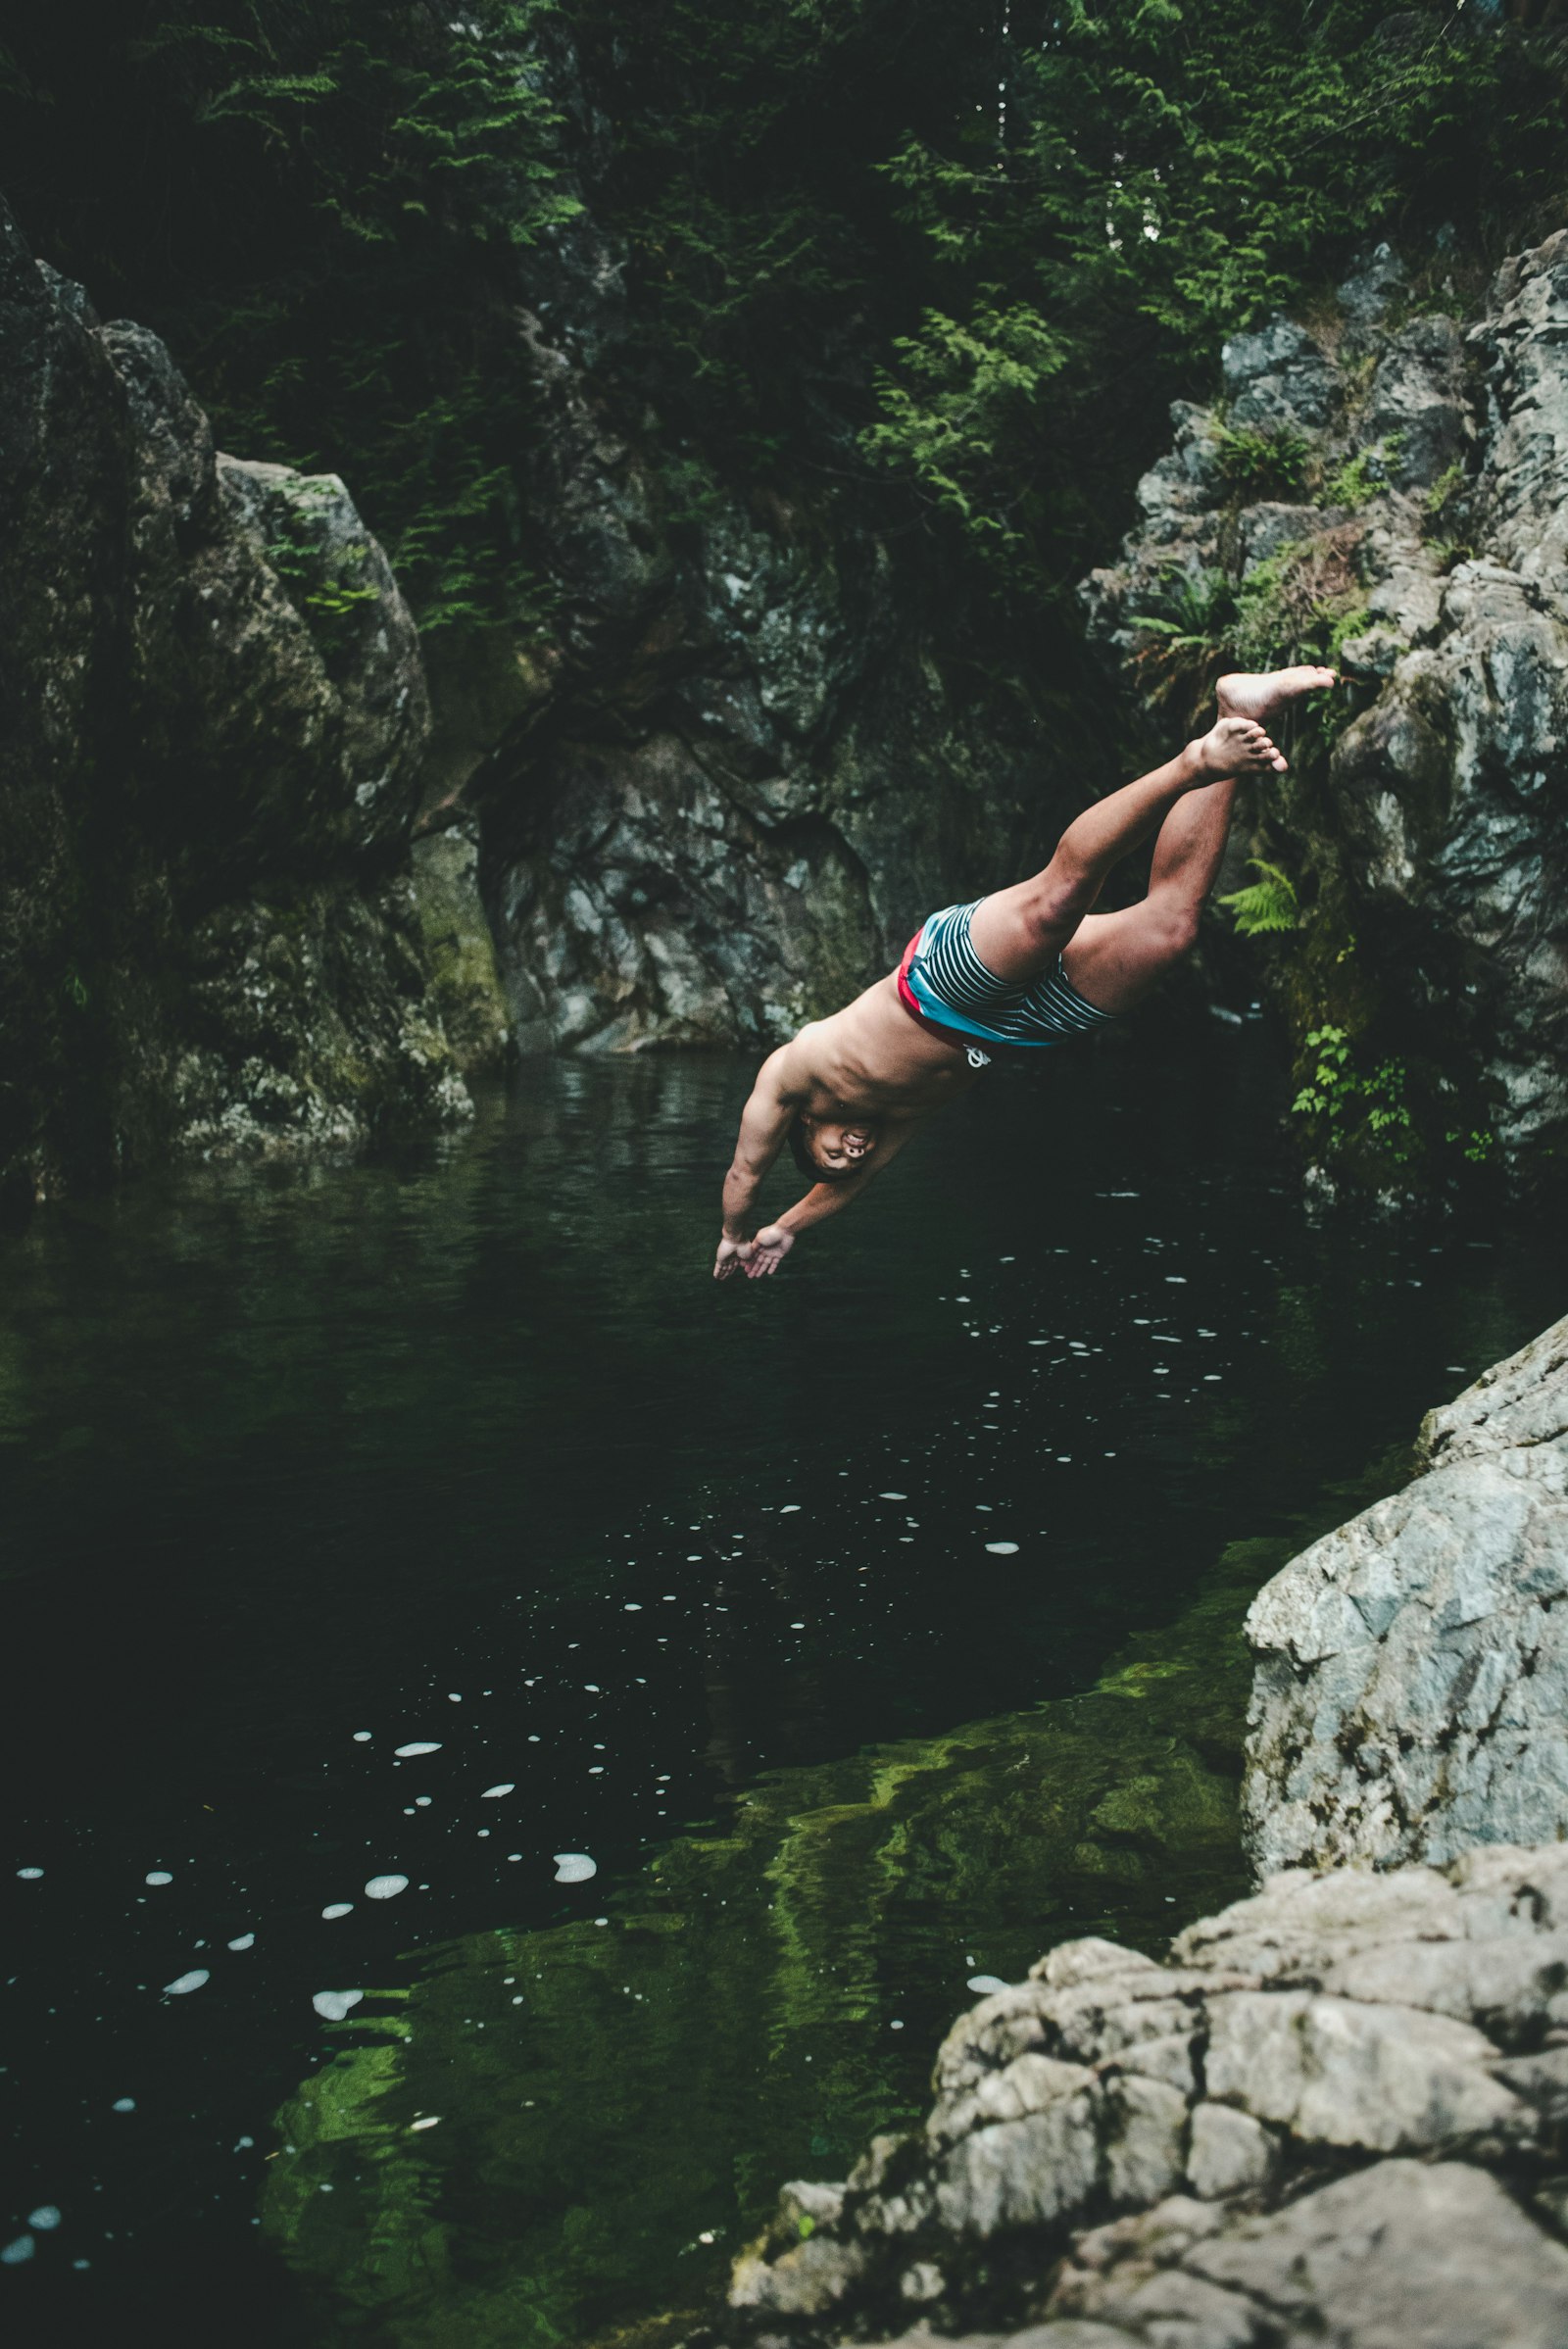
{"points": [[211, 745], [1387, 488]]}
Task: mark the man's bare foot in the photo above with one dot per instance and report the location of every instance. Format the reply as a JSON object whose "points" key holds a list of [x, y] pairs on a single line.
{"points": [[1264, 696], [1237, 746]]}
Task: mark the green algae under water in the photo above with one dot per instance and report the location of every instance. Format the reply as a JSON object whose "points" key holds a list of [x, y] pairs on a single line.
{"points": [[462, 1449], [558, 2132]]}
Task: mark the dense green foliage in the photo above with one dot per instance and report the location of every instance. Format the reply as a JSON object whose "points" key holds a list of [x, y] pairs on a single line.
{"points": [[304, 196], [953, 262]]}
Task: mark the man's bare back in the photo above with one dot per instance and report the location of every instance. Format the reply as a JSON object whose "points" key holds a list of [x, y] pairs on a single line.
{"points": [[847, 1092]]}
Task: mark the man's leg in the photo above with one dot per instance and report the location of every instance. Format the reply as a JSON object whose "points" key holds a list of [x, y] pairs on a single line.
{"points": [[1022, 930], [1115, 959]]}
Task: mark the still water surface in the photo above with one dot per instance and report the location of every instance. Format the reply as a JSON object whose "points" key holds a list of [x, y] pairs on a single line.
{"points": [[462, 1451]]}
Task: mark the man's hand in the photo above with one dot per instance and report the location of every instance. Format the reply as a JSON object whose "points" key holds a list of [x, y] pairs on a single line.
{"points": [[754, 1257], [731, 1258], [768, 1251]]}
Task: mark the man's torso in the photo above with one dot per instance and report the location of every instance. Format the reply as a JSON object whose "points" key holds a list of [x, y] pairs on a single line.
{"points": [[873, 1060]]}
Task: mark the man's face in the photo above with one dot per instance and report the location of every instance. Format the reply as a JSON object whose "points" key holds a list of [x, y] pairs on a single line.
{"points": [[841, 1148]]}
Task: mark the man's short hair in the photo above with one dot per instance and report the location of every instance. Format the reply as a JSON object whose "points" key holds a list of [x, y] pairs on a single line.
{"points": [[800, 1141]]}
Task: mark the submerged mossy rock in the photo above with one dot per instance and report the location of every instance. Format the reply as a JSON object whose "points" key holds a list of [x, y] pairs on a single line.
{"points": [[1390, 492], [460, 951], [637, 2087], [209, 753]]}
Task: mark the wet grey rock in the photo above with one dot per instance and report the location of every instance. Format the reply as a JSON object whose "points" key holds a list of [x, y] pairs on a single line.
{"points": [[1435, 839], [1411, 1696], [1402, 2256], [1368, 2144], [210, 753]]}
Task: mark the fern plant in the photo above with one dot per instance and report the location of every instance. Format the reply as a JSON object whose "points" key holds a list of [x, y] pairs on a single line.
{"points": [[1266, 906]]}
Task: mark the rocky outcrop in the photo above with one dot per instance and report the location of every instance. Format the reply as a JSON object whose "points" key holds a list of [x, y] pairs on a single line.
{"points": [[1389, 491], [1340, 2111], [1411, 1693], [209, 753]]}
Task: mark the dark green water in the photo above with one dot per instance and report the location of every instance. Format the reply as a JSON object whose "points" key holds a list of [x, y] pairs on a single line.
{"points": [[464, 1448]]}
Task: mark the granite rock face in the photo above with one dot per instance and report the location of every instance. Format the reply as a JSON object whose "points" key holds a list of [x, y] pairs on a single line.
{"points": [[1338, 2112], [1415, 531], [720, 791], [1411, 1692], [209, 752]]}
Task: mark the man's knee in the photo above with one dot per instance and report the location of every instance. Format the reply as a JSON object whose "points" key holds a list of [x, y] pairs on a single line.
{"points": [[1057, 903], [1175, 925]]}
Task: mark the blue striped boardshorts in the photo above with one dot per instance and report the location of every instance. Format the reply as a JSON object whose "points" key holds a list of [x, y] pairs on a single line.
{"points": [[954, 990]]}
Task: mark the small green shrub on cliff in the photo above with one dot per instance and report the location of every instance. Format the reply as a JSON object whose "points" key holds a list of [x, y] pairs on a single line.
{"points": [[1365, 475], [1262, 464]]}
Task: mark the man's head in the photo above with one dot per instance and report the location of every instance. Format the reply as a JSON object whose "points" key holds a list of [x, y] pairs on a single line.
{"points": [[829, 1150]]}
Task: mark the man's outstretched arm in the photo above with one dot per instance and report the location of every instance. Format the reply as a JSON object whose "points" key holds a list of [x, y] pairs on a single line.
{"points": [[764, 1121]]}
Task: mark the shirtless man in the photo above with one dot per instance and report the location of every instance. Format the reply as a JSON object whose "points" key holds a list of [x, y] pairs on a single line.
{"points": [[1028, 968]]}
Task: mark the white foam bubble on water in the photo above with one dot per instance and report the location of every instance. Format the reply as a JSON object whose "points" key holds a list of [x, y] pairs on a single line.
{"points": [[15, 2252], [573, 1867], [243, 1941], [406, 1753], [333, 2005], [158, 1876], [45, 2218], [123, 2104], [984, 1984], [32, 1873], [385, 1888], [1003, 1549], [507, 1786], [337, 1908], [182, 1982], [363, 1736]]}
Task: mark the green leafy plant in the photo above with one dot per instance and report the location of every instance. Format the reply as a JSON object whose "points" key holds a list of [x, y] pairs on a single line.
{"points": [[1262, 464], [1266, 906], [1339, 1092]]}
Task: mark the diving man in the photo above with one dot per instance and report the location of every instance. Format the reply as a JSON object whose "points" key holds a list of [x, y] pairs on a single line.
{"points": [[1025, 969]]}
